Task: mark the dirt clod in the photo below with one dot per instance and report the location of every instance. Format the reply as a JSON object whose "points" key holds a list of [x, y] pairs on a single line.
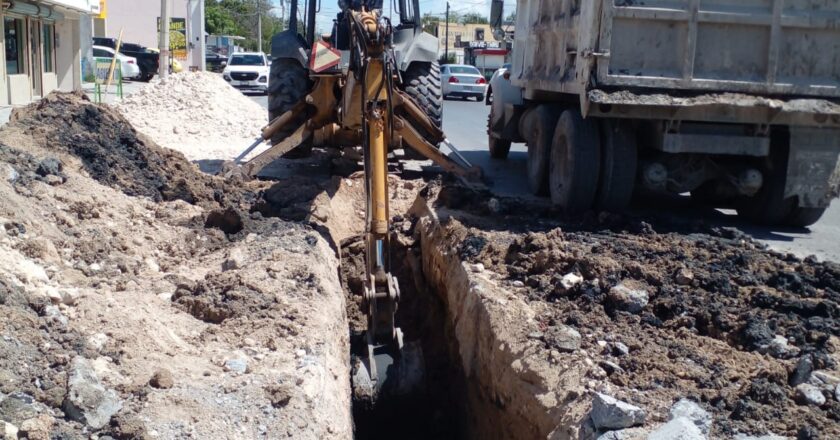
{"points": [[162, 379]]}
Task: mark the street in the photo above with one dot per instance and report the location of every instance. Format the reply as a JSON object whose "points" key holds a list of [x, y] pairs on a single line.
{"points": [[465, 125]]}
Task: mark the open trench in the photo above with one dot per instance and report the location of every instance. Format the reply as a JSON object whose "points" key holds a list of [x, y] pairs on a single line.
{"points": [[457, 399]]}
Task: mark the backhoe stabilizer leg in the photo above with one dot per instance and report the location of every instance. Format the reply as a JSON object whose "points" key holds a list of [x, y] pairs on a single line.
{"points": [[255, 165], [414, 140]]}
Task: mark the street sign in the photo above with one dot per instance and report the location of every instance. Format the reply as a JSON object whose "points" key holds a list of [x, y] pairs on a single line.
{"points": [[324, 57]]}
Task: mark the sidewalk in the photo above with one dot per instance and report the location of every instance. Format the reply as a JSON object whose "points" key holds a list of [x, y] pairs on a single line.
{"points": [[109, 98]]}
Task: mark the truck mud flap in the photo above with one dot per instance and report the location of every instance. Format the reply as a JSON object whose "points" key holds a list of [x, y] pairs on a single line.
{"points": [[813, 174]]}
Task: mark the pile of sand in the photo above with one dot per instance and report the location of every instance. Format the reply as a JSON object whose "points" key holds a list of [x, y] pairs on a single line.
{"points": [[196, 113]]}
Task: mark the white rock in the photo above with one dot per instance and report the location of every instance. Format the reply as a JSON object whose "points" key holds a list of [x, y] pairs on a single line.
{"points": [[570, 280], [692, 411], [53, 294], [807, 394], [837, 393], [239, 366], [10, 432], [70, 297], [152, 264], [477, 268], [629, 298], [609, 413], [680, 428], [235, 260], [518, 283], [88, 401], [98, 341]]}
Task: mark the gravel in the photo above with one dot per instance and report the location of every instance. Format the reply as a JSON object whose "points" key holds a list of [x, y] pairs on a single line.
{"points": [[175, 114], [680, 428]]}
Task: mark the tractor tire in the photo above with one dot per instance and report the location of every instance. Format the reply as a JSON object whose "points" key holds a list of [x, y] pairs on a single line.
{"points": [[288, 84], [575, 162], [539, 147], [619, 159], [422, 83]]}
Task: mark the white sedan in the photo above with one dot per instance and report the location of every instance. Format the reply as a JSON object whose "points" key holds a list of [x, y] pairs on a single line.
{"points": [[128, 65], [463, 81]]}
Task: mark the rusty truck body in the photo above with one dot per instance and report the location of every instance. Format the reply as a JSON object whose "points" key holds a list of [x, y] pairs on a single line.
{"points": [[733, 101]]}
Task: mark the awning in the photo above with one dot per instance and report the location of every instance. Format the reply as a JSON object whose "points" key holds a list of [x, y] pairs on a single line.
{"points": [[33, 10]]}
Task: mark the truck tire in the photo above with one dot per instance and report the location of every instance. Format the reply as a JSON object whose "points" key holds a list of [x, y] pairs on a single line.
{"points": [[769, 206], [575, 162], [499, 148], [803, 217], [422, 84], [539, 147], [288, 84], [619, 159]]}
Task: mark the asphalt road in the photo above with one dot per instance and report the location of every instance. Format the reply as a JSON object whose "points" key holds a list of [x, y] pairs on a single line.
{"points": [[465, 125]]}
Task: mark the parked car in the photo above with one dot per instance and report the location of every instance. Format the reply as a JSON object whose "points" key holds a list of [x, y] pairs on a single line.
{"points": [[215, 61], [463, 81], [128, 65], [501, 74], [147, 60], [247, 71], [175, 66]]}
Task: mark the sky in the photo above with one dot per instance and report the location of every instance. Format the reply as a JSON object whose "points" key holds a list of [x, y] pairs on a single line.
{"points": [[329, 8]]}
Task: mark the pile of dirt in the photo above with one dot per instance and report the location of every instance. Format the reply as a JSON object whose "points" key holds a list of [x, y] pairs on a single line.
{"points": [[704, 314], [114, 154], [196, 113], [124, 317]]}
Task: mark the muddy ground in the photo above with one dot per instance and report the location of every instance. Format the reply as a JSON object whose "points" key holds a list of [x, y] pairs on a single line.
{"points": [[723, 321]]}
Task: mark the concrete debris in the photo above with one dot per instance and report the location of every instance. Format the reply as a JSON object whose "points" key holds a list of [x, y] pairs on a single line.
{"points": [[625, 434], [609, 413], [807, 394], [628, 296], [237, 365], [570, 280], [619, 349], [235, 260], [10, 432], [837, 393], [563, 338], [9, 173], [780, 348], [690, 410], [87, 400], [680, 428]]}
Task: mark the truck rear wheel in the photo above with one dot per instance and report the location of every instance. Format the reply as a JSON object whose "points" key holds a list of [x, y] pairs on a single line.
{"points": [[619, 159], [575, 162], [769, 206], [539, 147], [288, 84]]}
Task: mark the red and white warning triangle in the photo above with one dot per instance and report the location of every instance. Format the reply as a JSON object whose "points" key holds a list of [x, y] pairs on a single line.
{"points": [[323, 57]]}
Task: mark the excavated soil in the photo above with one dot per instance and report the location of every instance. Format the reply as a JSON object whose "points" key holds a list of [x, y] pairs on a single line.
{"points": [[727, 323], [116, 155], [124, 316]]}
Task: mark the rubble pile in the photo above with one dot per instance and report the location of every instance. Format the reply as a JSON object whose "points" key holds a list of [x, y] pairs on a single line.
{"points": [[748, 336], [197, 114], [123, 316]]}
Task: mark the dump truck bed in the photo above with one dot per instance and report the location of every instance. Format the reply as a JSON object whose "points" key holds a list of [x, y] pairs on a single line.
{"points": [[763, 47]]}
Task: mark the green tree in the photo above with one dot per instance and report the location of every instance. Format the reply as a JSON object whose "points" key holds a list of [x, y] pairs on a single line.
{"points": [[473, 18]]}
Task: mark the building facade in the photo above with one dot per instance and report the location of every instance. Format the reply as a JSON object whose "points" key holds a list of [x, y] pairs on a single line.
{"points": [[139, 20], [41, 47], [472, 44]]}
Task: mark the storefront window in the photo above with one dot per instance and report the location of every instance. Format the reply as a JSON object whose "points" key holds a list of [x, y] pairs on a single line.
{"points": [[49, 47], [14, 36]]}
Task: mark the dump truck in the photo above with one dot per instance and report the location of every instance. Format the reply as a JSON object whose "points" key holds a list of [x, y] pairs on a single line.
{"points": [[732, 101]]}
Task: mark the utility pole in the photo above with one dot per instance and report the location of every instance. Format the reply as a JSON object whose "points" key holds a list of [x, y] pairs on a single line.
{"points": [[164, 40], [446, 57], [259, 27]]}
